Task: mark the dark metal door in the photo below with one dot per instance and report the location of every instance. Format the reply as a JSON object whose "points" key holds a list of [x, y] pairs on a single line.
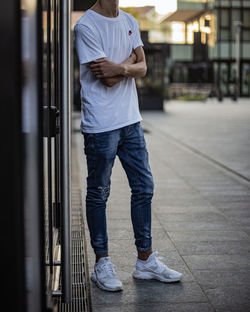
{"points": [[57, 146]]}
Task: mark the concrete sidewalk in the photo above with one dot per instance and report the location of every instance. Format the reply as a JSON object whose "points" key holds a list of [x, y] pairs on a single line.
{"points": [[200, 225]]}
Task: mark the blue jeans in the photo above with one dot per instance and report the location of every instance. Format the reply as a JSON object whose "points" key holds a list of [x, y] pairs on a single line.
{"points": [[101, 150]]}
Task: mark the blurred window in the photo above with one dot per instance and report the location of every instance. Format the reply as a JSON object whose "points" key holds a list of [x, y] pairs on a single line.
{"points": [[246, 35], [236, 3], [225, 35], [246, 79], [224, 3], [178, 33], [246, 3], [224, 77], [224, 50], [236, 16], [224, 18], [246, 18]]}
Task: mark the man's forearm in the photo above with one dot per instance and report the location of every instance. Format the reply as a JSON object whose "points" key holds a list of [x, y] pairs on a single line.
{"points": [[131, 60], [136, 70], [111, 81]]}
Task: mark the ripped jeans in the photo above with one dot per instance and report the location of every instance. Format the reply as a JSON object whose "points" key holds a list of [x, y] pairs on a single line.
{"points": [[101, 150]]}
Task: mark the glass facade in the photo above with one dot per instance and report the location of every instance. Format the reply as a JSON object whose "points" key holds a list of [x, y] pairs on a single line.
{"points": [[233, 17], [219, 33]]}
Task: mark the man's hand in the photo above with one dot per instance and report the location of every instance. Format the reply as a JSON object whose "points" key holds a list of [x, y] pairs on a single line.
{"points": [[111, 81], [137, 70], [103, 68]]}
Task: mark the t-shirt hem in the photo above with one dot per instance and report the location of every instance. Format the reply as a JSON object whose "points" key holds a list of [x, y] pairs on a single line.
{"points": [[139, 44], [87, 130]]}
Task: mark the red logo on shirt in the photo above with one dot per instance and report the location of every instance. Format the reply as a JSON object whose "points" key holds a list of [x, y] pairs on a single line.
{"points": [[130, 33]]}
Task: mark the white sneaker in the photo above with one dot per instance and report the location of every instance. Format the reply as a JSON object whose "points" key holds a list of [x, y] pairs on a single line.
{"points": [[104, 275], [153, 268]]}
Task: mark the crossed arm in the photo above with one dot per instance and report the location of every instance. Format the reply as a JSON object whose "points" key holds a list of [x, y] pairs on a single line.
{"points": [[111, 73]]}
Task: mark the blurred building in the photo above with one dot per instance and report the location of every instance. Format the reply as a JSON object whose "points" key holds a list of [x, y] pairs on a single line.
{"points": [[203, 35]]}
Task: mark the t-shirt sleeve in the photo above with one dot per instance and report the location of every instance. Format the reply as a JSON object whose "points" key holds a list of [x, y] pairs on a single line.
{"points": [[137, 37], [88, 46]]}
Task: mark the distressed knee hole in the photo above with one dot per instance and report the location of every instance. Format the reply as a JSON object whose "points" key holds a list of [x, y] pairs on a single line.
{"points": [[104, 191]]}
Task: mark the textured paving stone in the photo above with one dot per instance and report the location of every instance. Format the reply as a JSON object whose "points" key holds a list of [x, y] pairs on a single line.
{"points": [[116, 224], [200, 236], [231, 298], [246, 229], [195, 216], [221, 131], [166, 209], [118, 214], [237, 220], [177, 201], [211, 279], [169, 307], [218, 262], [196, 226], [233, 206], [229, 198], [127, 233], [213, 248], [150, 292]]}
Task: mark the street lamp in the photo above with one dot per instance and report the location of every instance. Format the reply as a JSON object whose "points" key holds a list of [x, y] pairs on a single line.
{"points": [[237, 25]]}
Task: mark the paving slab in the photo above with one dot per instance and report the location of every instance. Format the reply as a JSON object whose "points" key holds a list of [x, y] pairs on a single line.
{"points": [[180, 226], [232, 298], [151, 292], [193, 216], [218, 262], [206, 236], [220, 130], [213, 247], [169, 307], [211, 279]]}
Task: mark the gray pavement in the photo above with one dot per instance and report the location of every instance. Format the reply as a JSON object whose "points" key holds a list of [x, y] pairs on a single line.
{"points": [[220, 130], [200, 212]]}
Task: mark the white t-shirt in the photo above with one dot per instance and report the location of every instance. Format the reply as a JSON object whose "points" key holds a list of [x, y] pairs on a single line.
{"points": [[96, 36]]}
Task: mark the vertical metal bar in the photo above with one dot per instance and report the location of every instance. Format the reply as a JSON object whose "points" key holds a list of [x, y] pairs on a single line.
{"points": [[56, 146], [56, 40], [220, 95], [50, 212], [238, 25], [65, 165], [40, 99], [241, 47]]}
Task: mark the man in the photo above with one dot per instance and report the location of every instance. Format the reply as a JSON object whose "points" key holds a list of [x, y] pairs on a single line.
{"points": [[110, 53]]}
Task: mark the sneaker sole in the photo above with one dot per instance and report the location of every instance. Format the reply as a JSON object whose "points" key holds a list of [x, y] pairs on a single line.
{"points": [[93, 279], [150, 276]]}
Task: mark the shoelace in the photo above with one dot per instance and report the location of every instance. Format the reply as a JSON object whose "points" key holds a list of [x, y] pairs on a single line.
{"points": [[109, 268], [161, 265]]}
